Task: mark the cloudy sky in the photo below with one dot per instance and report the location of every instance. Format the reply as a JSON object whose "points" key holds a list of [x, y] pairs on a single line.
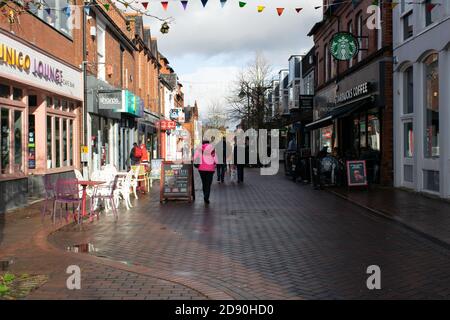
{"points": [[208, 46]]}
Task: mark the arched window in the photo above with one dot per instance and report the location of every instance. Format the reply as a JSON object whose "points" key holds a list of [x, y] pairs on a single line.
{"points": [[431, 134]]}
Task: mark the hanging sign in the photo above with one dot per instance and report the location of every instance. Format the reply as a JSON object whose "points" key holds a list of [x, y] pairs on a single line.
{"points": [[344, 46]]}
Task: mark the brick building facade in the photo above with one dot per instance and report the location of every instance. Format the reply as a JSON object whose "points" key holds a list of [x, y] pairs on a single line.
{"points": [[353, 98]]}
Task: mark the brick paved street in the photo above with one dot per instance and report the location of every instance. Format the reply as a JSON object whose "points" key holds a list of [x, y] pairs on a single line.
{"points": [[269, 238]]}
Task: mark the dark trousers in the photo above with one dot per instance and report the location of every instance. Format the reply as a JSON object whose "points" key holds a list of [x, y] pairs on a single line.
{"points": [[240, 172], [207, 178], [221, 169]]}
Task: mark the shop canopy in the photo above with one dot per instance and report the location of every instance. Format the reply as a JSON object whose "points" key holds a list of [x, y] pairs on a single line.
{"points": [[337, 113]]}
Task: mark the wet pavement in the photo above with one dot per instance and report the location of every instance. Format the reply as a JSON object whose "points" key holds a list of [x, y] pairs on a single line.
{"points": [[268, 239]]}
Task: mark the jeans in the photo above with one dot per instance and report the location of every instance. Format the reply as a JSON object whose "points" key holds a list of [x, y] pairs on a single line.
{"points": [[207, 178], [240, 172], [221, 169]]}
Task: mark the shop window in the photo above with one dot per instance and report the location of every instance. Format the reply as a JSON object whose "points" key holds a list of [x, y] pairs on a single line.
{"points": [[431, 180], [408, 140], [32, 100], [49, 102], [17, 94], [49, 143], [57, 103], [55, 14], [71, 137], [408, 102], [57, 143], [64, 142], [4, 140], [431, 11], [373, 132], [431, 134], [407, 22], [362, 131], [5, 91], [18, 141], [326, 137]]}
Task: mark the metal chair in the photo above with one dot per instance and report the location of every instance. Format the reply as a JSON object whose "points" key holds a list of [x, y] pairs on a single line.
{"points": [[123, 190], [107, 193], [66, 192]]}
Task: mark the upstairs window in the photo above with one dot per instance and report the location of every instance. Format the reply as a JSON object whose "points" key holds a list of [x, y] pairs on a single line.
{"points": [[407, 22], [431, 12], [56, 13]]}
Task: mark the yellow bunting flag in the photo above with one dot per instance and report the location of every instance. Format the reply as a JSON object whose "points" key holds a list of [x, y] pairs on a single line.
{"points": [[261, 8]]}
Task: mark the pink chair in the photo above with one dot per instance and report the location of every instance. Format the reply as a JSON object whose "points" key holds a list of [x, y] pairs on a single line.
{"points": [[66, 192]]}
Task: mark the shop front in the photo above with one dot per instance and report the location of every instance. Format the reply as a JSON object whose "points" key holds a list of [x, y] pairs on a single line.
{"points": [[103, 124], [40, 108], [350, 126], [148, 132]]}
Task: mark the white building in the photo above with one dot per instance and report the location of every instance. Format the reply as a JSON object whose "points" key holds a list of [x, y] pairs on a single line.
{"points": [[421, 43], [295, 80], [284, 91]]}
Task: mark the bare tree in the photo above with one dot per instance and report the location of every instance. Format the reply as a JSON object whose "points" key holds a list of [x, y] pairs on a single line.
{"points": [[248, 102], [217, 117]]}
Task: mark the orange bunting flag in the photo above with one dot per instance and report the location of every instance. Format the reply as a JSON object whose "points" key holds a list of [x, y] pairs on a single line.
{"points": [[164, 4], [280, 11]]}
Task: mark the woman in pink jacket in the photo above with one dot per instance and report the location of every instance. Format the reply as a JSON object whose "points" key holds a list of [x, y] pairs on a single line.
{"points": [[205, 160]]}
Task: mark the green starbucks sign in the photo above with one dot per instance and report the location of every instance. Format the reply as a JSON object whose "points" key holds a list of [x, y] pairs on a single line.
{"points": [[344, 46]]}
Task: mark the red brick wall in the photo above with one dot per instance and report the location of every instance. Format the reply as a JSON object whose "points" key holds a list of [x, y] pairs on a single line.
{"points": [[345, 14]]}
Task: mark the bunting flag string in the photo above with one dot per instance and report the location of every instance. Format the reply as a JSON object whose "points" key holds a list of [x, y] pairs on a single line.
{"points": [[165, 4], [184, 3], [223, 2], [204, 2]]}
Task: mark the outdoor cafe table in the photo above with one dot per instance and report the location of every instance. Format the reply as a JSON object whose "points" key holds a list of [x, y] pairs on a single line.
{"points": [[85, 184]]}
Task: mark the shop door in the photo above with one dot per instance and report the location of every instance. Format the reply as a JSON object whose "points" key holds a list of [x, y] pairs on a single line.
{"points": [[408, 153]]}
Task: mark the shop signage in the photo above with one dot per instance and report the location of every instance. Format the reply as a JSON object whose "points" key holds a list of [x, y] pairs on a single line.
{"points": [[167, 124], [131, 104], [176, 181], [360, 90], [155, 171], [177, 114], [23, 64], [306, 101], [111, 99], [356, 173], [344, 46]]}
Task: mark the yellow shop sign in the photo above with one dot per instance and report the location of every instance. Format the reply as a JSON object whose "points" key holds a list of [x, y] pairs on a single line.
{"points": [[12, 57]]}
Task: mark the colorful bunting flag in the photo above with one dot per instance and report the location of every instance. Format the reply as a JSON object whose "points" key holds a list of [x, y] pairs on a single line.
{"points": [[48, 10], [261, 9], [145, 5], [184, 3], [222, 2], [298, 9], [204, 2], [87, 9], [280, 11], [430, 6], [164, 4], [67, 10], [106, 6], [242, 4]]}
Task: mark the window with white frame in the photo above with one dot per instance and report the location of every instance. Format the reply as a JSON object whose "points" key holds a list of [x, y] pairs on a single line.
{"points": [[432, 8], [431, 134], [101, 72]]}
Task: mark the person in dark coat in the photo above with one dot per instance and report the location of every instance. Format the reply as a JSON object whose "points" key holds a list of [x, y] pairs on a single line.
{"points": [[222, 154], [240, 149]]}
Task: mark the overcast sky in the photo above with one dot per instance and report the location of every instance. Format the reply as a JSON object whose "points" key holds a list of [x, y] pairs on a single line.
{"points": [[208, 46]]}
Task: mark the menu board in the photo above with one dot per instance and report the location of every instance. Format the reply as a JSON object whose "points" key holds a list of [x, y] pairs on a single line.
{"points": [[356, 173], [176, 181]]}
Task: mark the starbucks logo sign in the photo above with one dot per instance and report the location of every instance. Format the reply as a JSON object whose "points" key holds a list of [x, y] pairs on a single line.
{"points": [[344, 46]]}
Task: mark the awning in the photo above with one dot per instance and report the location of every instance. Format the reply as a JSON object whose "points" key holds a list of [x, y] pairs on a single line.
{"points": [[338, 112]]}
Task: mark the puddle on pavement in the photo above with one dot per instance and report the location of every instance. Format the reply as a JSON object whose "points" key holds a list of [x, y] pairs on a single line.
{"points": [[82, 248]]}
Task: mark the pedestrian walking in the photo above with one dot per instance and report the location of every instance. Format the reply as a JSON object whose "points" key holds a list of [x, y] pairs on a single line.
{"points": [[205, 161], [135, 154], [223, 152], [241, 155]]}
